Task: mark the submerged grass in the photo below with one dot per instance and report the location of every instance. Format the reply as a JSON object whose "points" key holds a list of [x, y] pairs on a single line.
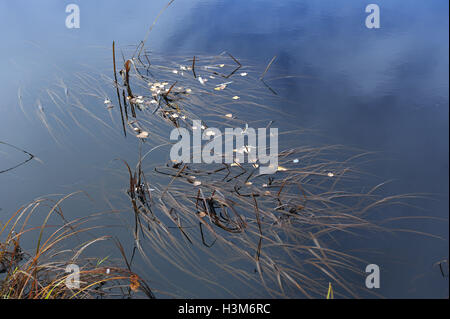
{"points": [[30, 157], [275, 234], [211, 221]]}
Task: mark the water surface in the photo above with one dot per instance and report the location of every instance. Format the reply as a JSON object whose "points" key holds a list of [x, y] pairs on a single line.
{"points": [[383, 90]]}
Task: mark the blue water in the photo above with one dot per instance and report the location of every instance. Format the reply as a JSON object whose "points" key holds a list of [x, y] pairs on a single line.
{"points": [[383, 90]]}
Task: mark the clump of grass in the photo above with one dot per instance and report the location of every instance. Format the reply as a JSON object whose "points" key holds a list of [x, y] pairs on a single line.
{"points": [[283, 225], [41, 272], [273, 235]]}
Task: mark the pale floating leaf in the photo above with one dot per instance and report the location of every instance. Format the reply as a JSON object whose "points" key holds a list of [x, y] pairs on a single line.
{"points": [[137, 100], [142, 135], [191, 179], [220, 87]]}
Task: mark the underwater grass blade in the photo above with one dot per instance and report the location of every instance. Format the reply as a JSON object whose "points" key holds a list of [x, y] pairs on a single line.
{"points": [[117, 89]]}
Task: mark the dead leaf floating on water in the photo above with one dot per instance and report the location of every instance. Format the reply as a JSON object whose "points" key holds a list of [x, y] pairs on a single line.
{"points": [[142, 135], [192, 180], [220, 87], [134, 282], [108, 104], [137, 100]]}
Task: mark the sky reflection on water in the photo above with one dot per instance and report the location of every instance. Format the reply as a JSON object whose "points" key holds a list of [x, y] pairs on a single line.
{"points": [[384, 90]]}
